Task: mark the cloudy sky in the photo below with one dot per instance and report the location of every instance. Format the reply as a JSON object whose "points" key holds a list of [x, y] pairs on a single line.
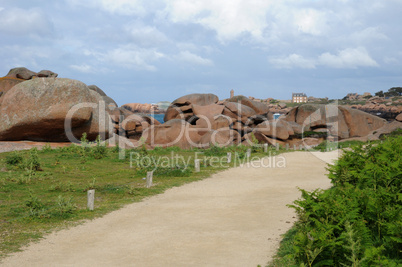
{"points": [[152, 50]]}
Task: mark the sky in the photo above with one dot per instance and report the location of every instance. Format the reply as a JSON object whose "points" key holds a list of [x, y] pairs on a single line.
{"points": [[145, 51]]}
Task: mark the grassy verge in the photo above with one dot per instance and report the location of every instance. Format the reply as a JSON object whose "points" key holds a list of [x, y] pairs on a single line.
{"points": [[357, 222], [42, 191]]}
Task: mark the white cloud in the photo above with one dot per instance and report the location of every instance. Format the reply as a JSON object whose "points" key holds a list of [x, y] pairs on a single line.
{"points": [[120, 7], [85, 68], [368, 34], [133, 57], [293, 61], [145, 35], [189, 57], [345, 59], [16, 21], [310, 21], [348, 58], [228, 19]]}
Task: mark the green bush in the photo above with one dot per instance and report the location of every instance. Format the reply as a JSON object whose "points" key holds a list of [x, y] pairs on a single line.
{"points": [[14, 159], [358, 222], [32, 163], [99, 151], [215, 151]]}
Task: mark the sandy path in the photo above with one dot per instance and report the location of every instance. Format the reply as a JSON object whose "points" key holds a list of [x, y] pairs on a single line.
{"points": [[234, 218]]}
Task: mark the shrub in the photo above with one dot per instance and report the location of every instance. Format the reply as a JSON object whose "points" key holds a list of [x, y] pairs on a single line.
{"points": [[14, 159], [358, 221], [215, 151], [65, 206], [32, 162], [99, 151]]}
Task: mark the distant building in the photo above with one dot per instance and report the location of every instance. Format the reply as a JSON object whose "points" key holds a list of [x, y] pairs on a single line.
{"points": [[299, 98]]}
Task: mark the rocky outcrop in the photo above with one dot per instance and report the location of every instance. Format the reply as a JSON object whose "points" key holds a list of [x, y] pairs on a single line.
{"points": [[18, 75], [26, 74], [181, 108], [258, 107], [174, 132], [378, 107], [239, 120], [38, 110]]}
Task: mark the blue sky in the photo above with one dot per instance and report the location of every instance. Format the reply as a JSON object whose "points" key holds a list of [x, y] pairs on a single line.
{"points": [[147, 51]]}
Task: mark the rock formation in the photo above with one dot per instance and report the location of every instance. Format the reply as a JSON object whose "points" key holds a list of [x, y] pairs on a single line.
{"points": [[40, 107], [47, 103], [201, 120]]}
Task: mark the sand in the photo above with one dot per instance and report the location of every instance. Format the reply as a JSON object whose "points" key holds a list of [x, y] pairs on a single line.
{"points": [[234, 218]]}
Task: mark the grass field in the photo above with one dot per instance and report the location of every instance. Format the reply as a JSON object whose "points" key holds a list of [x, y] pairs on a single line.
{"points": [[42, 191]]}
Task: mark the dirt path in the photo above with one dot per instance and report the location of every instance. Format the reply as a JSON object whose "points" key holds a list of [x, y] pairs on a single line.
{"points": [[234, 218]]}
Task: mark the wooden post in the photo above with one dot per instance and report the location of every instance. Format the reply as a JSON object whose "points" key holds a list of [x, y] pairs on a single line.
{"points": [[248, 153], [287, 146], [229, 155], [91, 199], [149, 179], [197, 165], [265, 148], [277, 147]]}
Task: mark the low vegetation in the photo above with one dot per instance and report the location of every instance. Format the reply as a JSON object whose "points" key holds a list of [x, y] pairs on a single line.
{"points": [[357, 222], [45, 190]]}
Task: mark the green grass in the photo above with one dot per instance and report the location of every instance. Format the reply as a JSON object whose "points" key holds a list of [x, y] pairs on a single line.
{"points": [[42, 191]]}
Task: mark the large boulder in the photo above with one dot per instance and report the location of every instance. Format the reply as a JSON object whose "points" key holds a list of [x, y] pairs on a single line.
{"points": [[47, 74], [172, 133], [399, 117], [181, 108], [38, 110], [360, 123], [6, 83], [21, 73], [221, 137], [239, 110], [209, 111], [196, 99], [97, 89], [278, 129], [258, 107], [135, 124], [314, 116]]}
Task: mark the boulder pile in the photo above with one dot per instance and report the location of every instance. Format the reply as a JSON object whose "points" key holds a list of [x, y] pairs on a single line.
{"points": [[385, 108], [201, 120], [42, 107]]}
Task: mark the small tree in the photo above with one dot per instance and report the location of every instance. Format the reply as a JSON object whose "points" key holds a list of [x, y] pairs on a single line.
{"points": [[380, 93]]}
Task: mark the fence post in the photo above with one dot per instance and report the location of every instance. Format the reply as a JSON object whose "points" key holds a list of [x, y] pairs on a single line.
{"points": [[229, 156], [149, 179], [248, 153], [287, 146], [265, 148], [91, 199], [197, 165]]}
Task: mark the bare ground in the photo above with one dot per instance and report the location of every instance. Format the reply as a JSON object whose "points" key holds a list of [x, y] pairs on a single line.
{"points": [[234, 218]]}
